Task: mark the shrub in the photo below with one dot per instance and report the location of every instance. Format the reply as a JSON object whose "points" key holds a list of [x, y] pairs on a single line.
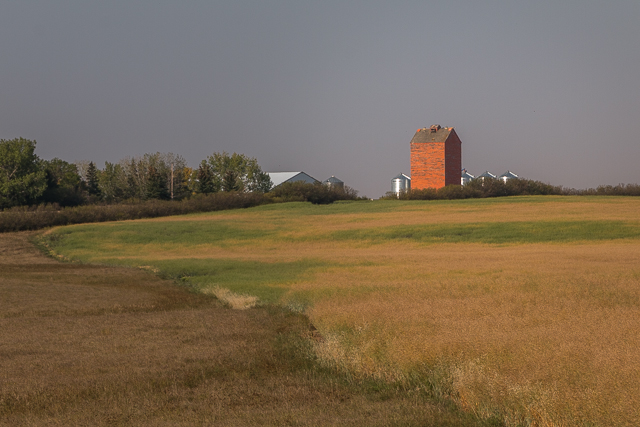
{"points": [[497, 188], [49, 215], [317, 193]]}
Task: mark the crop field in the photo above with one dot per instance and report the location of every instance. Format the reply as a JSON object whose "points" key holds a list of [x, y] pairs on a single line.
{"points": [[523, 309], [91, 345]]}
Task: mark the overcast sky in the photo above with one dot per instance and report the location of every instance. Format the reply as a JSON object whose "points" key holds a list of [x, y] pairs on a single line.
{"points": [[548, 89]]}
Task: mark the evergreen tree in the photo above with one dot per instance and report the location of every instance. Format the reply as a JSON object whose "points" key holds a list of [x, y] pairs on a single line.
{"points": [[230, 181], [64, 185], [91, 179], [157, 184], [207, 181]]}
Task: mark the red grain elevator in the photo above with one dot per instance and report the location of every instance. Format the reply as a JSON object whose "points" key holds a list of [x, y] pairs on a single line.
{"points": [[436, 158]]}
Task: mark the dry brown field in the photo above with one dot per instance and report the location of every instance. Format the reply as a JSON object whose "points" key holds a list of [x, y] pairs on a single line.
{"points": [[106, 346], [533, 320]]}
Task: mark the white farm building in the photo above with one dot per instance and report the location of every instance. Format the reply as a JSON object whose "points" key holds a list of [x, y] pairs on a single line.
{"points": [[278, 178]]}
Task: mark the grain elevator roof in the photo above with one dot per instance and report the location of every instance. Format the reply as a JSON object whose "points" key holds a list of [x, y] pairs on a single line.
{"points": [[433, 133]]}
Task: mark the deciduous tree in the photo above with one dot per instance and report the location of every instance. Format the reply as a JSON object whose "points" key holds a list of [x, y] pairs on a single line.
{"points": [[22, 176], [113, 183], [237, 172]]}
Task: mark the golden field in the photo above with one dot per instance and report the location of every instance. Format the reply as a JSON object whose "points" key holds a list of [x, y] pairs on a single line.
{"points": [[92, 345], [526, 309]]}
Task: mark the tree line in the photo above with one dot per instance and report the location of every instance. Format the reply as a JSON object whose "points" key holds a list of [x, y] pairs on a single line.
{"points": [[27, 180], [491, 187]]}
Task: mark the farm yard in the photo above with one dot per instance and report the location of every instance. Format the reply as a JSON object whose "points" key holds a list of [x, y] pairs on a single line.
{"points": [[523, 310]]}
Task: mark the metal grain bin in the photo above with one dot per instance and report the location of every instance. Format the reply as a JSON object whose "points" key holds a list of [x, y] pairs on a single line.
{"points": [[486, 175], [466, 177], [507, 176], [334, 183], [400, 184]]}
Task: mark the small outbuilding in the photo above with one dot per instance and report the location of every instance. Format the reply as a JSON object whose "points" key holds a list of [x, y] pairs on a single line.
{"points": [[278, 178]]}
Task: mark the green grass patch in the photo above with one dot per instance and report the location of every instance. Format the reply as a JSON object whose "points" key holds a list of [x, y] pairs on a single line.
{"points": [[191, 233], [345, 207], [266, 280], [497, 232], [297, 209]]}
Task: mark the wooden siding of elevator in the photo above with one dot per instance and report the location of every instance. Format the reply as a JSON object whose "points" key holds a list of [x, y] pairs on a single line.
{"points": [[436, 158]]}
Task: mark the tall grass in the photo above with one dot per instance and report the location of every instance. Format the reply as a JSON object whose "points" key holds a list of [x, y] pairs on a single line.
{"points": [[529, 318]]}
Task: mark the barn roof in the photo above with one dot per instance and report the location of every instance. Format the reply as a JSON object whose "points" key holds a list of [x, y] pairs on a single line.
{"points": [[278, 178]]}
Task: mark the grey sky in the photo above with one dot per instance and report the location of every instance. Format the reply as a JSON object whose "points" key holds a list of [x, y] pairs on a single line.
{"points": [[547, 89]]}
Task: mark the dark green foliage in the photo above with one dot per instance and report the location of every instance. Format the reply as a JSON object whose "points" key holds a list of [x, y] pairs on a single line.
{"points": [[22, 177], [64, 185], [452, 192], [156, 184], [609, 190], [92, 181], [173, 168], [231, 181], [207, 182], [488, 187], [528, 187], [317, 193]]}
